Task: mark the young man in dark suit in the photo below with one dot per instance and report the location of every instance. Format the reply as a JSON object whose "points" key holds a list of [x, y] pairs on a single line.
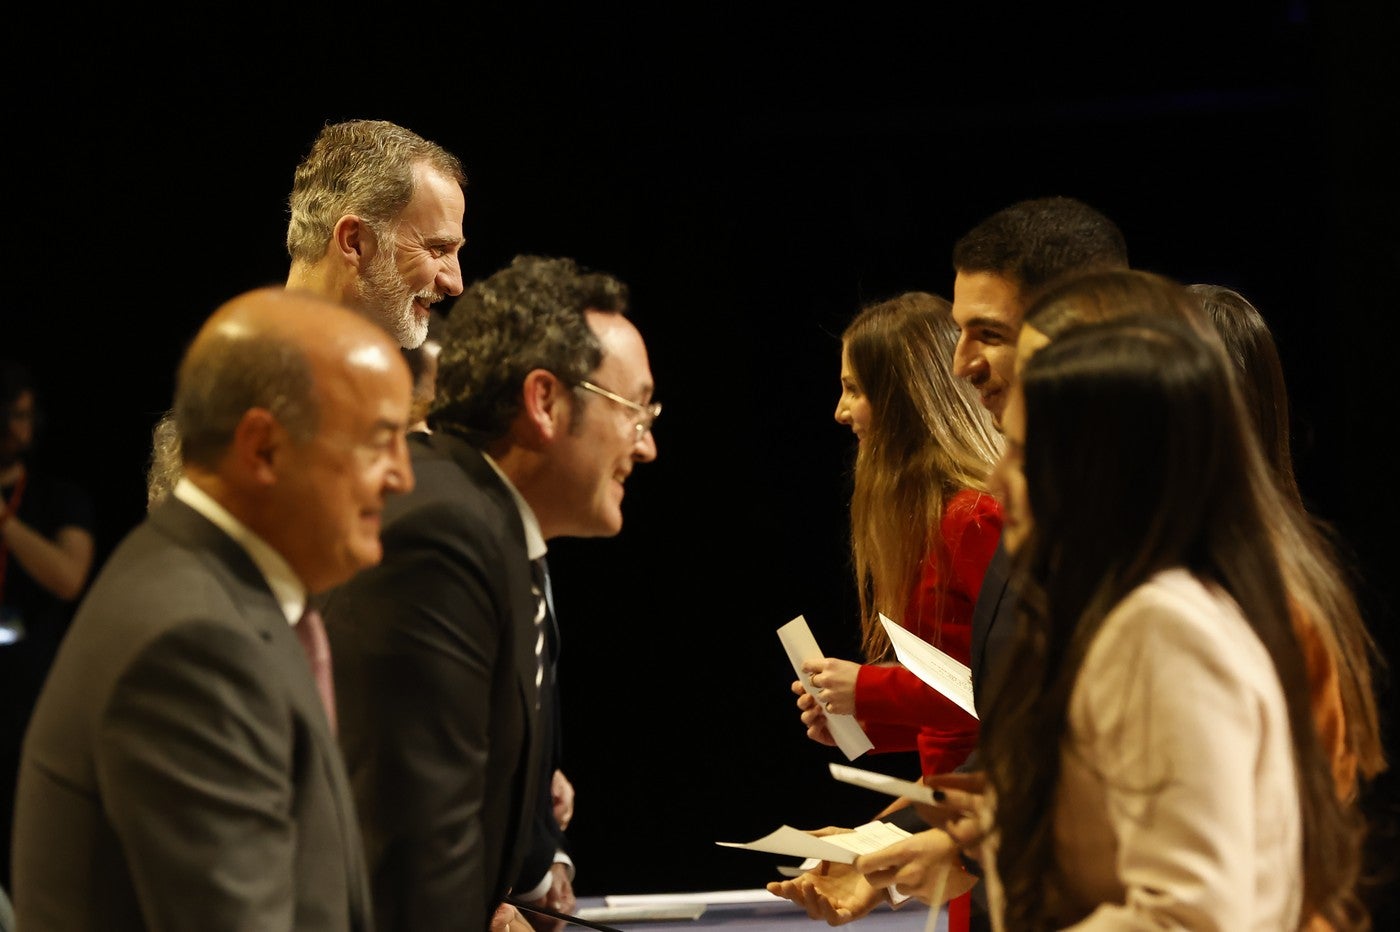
{"points": [[1000, 264]]}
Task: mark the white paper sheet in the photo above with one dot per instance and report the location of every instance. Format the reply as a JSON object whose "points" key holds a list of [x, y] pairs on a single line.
{"points": [[839, 848], [944, 673], [642, 912], [881, 783], [706, 897], [801, 646]]}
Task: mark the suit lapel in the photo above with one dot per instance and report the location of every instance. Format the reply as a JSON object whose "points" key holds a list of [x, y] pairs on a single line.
{"points": [[248, 589], [522, 600], [230, 563], [522, 603], [984, 616]]}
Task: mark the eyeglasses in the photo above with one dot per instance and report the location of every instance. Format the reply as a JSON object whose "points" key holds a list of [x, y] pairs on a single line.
{"points": [[646, 414]]}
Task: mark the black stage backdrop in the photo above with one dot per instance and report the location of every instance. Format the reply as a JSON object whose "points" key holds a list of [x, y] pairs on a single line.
{"points": [[754, 176]]}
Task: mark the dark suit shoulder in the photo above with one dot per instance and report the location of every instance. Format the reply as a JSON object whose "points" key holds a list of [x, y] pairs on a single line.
{"points": [[454, 571], [141, 666], [205, 661], [993, 624], [175, 567], [457, 497]]}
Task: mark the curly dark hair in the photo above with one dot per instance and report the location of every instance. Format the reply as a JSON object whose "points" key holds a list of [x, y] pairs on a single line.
{"points": [[529, 315]]}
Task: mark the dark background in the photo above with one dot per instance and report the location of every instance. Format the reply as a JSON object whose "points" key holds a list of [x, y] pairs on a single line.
{"points": [[754, 175]]}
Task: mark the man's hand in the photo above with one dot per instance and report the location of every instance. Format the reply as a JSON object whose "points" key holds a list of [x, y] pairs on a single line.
{"points": [[508, 919], [561, 890], [561, 793], [560, 898]]}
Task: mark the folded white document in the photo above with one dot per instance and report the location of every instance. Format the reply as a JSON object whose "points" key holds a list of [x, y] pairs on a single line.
{"points": [[944, 673], [703, 897], [881, 783], [642, 912], [838, 848], [801, 646]]}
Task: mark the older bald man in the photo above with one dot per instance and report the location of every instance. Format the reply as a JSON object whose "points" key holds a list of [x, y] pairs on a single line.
{"points": [[181, 769]]}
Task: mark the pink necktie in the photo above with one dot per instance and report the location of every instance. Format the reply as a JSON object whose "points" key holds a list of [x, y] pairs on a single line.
{"points": [[311, 632]]}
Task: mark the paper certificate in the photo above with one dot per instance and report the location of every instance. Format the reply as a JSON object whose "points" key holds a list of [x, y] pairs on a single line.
{"points": [[802, 646], [928, 663], [880, 783], [838, 848]]}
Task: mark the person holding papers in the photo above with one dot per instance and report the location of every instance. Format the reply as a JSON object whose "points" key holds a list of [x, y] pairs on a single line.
{"points": [[1157, 764], [1000, 264], [923, 529]]}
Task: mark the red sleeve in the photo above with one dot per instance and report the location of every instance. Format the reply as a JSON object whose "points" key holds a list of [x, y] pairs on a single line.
{"points": [[891, 695], [916, 718], [940, 610], [888, 738], [971, 529]]}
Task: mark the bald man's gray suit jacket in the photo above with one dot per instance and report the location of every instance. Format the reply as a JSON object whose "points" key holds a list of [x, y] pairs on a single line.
{"points": [[179, 771]]}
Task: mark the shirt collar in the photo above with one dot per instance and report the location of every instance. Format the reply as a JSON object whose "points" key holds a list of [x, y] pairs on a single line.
{"points": [[281, 578], [534, 537]]}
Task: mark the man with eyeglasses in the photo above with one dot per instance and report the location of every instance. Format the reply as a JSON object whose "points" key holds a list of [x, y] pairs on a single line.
{"points": [[444, 652]]}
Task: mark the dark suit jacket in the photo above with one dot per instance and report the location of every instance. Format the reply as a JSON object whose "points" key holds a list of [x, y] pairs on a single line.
{"points": [[993, 624], [178, 772], [435, 689]]}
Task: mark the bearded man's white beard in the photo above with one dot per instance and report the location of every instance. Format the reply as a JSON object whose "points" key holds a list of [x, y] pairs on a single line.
{"points": [[386, 300]]}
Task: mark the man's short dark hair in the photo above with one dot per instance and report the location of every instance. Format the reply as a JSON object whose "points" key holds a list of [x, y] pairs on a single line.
{"points": [[1035, 241]]}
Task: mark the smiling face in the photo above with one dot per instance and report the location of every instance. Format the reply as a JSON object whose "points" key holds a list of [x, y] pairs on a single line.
{"points": [[417, 264], [853, 407], [596, 453], [987, 309], [333, 487]]}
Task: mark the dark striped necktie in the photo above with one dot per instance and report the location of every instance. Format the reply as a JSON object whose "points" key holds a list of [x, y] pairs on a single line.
{"points": [[539, 588]]}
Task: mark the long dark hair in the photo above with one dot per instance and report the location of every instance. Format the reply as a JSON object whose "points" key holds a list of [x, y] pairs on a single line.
{"points": [[1138, 458], [1250, 346], [1334, 613]]}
